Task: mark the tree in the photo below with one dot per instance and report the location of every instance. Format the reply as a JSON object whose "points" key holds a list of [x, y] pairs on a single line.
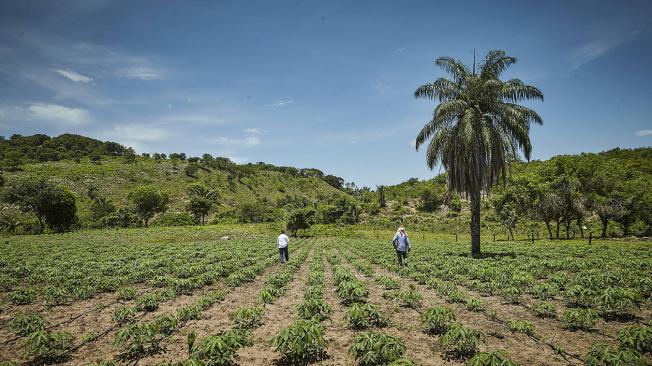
{"points": [[334, 181], [51, 204], [148, 201], [100, 208], [429, 200], [608, 209], [381, 196], [300, 219], [191, 170], [201, 201], [477, 126], [129, 156], [549, 208]]}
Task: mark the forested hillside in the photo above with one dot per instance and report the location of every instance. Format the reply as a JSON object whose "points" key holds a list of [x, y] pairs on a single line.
{"points": [[104, 184]]}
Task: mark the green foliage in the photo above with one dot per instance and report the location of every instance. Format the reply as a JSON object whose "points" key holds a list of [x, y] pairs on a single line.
{"points": [[584, 319], [460, 341], [148, 201], [302, 341], [25, 324], [545, 309], [521, 326], [175, 219], [219, 349], [51, 204], [410, 298], [476, 305], [616, 302], [300, 219], [314, 308], [373, 348], [637, 337], [248, 317], [124, 315], [352, 292], [48, 347], [603, 354], [126, 293], [389, 283], [494, 358], [22, 296], [437, 320], [363, 316]]}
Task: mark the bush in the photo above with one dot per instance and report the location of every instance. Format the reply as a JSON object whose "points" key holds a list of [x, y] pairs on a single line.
{"points": [[25, 324], [495, 358], [460, 341], [248, 318], [176, 219], [314, 308], [410, 299], [437, 320], [638, 337], [603, 354], [545, 309], [219, 349], [583, 319], [521, 326], [302, 341], [362, 316], [352, 292], [372, 348], [617, 302], [48, 347]]}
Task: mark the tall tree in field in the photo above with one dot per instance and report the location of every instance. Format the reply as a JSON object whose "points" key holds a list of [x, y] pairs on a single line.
{"points": [[477, 127]]}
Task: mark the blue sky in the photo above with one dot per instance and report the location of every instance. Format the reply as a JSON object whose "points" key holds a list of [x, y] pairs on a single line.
{"points": [[324, 84]]}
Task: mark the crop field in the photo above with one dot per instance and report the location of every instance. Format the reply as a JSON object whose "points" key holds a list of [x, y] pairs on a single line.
{"points": [[185, 296]]}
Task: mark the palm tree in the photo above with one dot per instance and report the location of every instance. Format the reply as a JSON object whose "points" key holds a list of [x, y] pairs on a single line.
{"points": [[477, 127]]}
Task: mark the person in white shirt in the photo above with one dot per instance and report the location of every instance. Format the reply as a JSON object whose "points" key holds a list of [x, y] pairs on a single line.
{"points": [[282, 242]]}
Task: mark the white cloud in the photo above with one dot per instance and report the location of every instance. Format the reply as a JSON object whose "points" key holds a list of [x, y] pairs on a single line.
{"points": [[237, 142], [598, 48], [253, 131], [140, 73], [74, 76], [58, 114], [644, 133], [139, 132], [281, 103], [399, 50]]}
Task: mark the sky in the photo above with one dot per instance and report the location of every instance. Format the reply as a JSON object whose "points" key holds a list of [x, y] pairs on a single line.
{"points": [[321, 84]]}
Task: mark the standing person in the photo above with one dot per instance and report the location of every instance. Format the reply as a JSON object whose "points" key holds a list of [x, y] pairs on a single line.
{"points": [[282, 242], [402, 245]]}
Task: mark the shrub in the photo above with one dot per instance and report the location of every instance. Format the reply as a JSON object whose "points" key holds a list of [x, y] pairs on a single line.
{"points": [[25, 324], [460, 341], [48, 347], [352, 292], [436, 320], [314, 308], [583, 319], [124, 315], [521, 326], [248, 318], [362, 316], [617, 302], [411, 298], [301, 341], [638, 337], [372, 348], [545, 309], [475, 305], [389, 283], [603, 354], [22, 296], [218, 349], [126, 293], [495, 358]]}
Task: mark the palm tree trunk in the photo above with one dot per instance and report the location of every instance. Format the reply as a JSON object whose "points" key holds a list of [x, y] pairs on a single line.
{"points": [[557, 236], [605, 222], [475, 223]]}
